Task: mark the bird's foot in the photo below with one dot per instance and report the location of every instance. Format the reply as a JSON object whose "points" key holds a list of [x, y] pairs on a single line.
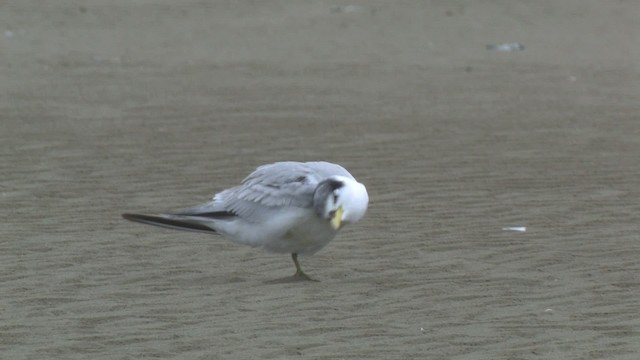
{"points": [[301, 276], [293, 279]]}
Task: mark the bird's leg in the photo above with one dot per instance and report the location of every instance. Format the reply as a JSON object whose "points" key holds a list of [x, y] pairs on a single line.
{"points": [[299, 273]]}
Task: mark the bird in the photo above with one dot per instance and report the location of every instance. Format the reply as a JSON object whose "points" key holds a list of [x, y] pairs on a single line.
{"points": [[283, 207]]}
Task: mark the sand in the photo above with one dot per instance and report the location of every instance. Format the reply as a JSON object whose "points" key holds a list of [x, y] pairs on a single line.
{"points": [[138, 106]]}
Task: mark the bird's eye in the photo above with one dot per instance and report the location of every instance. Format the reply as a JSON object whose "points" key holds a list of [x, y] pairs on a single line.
{"points": [[335, 197]]}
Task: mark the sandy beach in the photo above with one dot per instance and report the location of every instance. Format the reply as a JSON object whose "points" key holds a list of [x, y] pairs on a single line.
{"points": [[142, 106]]}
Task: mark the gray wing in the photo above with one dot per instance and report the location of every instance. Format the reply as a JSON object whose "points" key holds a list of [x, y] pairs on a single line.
{"points": [[325, 169], [272, 187], [279, 184]]}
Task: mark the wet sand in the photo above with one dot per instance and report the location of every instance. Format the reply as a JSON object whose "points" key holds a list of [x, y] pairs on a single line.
{"points": [[118, 106]]}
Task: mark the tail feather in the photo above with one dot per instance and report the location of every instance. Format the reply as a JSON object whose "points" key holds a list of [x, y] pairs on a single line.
{"points": [[175, 222]]}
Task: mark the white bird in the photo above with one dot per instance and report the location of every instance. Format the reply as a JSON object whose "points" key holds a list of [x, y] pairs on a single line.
{"points": [[284, 207]]}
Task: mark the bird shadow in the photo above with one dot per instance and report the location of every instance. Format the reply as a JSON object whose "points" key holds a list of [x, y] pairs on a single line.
{"points": [[292, 279]]}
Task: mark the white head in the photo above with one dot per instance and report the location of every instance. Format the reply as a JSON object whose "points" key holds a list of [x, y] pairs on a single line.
{"points": [[340, 200]]}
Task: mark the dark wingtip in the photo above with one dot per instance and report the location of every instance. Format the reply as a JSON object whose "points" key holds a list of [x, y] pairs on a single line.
{"points": [[130, 217], [141, 218], [176, 224]]}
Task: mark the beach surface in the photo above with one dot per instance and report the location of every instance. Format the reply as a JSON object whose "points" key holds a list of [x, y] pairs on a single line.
{"points": [[144, 106]]}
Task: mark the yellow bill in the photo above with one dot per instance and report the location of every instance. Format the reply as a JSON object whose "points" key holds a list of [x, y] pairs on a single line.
{"points": [[336, 219]]}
